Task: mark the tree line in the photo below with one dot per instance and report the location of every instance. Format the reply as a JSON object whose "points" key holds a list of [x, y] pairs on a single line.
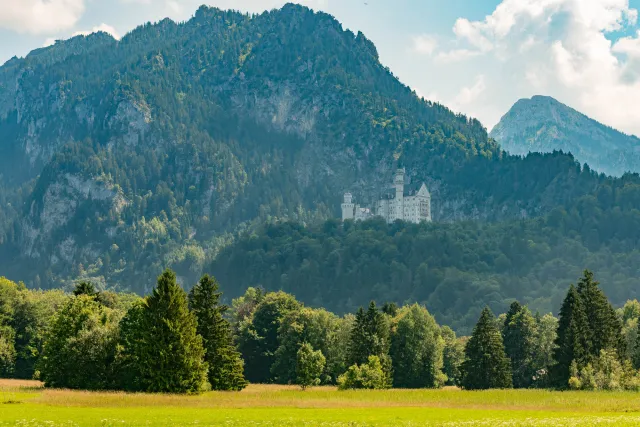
{"points": [[179, 342]]}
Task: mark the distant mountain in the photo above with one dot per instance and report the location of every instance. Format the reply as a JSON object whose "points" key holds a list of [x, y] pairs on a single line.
{"points": [[119, 158], [543, 125]]}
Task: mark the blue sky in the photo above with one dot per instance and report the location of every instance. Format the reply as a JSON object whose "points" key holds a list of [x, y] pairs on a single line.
{"points": [[475, 56]]}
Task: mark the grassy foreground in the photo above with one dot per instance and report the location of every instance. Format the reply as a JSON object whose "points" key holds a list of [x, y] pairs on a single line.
{"points": [[25, 403]]}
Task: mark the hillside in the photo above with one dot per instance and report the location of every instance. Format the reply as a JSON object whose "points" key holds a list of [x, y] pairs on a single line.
{"points": [[121, 157], [543, 125], [454, 269]]}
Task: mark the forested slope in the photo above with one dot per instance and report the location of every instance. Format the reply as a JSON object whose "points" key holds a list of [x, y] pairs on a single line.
{"points": [[454, 269], [122, 157]]}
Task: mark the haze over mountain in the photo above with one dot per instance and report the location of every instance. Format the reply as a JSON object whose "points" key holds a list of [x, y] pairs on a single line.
{"points": [[543, 125], [120, 158]]}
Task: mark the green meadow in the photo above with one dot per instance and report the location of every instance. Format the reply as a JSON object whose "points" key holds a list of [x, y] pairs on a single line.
{"points": [[28, 404]]}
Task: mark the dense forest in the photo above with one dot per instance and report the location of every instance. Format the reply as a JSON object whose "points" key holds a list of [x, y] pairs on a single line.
{"points": [[172, 341], [121, 158], [455, 269]]}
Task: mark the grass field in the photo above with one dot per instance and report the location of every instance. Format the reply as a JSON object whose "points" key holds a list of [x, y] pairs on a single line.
{"points": [[26, 403]]}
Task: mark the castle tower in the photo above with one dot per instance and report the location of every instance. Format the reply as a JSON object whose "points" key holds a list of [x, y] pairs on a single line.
{"points": [[398, 202], [348, 208]]}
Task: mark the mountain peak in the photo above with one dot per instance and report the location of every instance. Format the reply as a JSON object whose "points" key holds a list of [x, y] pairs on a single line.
{"points": [[544, 124]]}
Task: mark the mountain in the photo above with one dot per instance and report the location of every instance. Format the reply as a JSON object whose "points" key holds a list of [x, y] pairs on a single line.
{"points": [[543, 125], [119, 158]]}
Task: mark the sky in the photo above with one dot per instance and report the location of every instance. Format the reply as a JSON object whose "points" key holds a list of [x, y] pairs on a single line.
{"points": [[477, 57]]}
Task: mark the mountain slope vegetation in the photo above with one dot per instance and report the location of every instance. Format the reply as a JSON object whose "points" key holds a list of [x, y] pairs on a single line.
{"points": [[542, 124], [120, 158]]}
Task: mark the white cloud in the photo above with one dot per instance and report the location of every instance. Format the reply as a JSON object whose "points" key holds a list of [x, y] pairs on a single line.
{"points": [[40, 16], [561, 48], [456, 55], [470, 94], [628, 46], [100, 28], [424, 44]]}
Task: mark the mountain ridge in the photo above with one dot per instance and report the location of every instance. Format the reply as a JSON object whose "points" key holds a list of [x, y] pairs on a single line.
{"points": [[543, 124]]}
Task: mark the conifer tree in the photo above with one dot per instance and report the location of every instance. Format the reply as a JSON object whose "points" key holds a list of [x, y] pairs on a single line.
{"points": [[572, 342], [370, 337], [605, 328], [225, 365], [518, 333], [486, 365], [169, 353]]}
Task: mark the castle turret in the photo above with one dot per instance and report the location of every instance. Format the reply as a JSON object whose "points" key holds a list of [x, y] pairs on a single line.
{"points": [[398, 183], [348, 208]]}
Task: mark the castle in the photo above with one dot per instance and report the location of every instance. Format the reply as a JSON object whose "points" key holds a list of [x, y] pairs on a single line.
{"points": [[405, 202]]}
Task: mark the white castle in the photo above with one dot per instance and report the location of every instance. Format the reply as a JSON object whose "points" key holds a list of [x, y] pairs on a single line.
{"points": [[405, 203]]}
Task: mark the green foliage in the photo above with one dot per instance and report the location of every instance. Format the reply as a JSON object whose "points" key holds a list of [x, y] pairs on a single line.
{"points": [[606, 373], [416, 349], [588, 325], [323, 331], [573, 339], [519, 335], [225, 365], [80, 347], [453, 269], [370, 375], [258, 336], [605, 328], [370, 337], [85, 288], [309, 366], [636, 354], [7, 351], [167, 353], [486, 364], [453, 355]]}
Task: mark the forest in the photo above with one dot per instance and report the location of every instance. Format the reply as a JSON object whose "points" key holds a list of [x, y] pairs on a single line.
{"points": [[454, 269], [172, 341]]}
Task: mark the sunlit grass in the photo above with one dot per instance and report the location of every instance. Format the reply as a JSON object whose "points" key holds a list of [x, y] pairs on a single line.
{"points": [[261, 405]]}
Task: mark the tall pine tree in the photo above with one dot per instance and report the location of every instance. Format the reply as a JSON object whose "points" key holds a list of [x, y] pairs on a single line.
{"points": [[573, 339], [168, 353], [605, 328], [225, 365], [486, 365], [518, 333]]}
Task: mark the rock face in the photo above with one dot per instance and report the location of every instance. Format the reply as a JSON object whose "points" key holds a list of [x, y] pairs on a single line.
{"points": [[543, 125]]}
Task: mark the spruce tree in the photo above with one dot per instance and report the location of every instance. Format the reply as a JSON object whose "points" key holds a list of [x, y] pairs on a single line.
{"points": [[518, 333], [169, 353], [486, 365], [573, 339], [370, 337], [605, 328], [225, 364]]}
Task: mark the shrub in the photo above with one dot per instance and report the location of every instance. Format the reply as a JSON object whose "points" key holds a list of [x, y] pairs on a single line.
{"points": [[366, 376]]}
